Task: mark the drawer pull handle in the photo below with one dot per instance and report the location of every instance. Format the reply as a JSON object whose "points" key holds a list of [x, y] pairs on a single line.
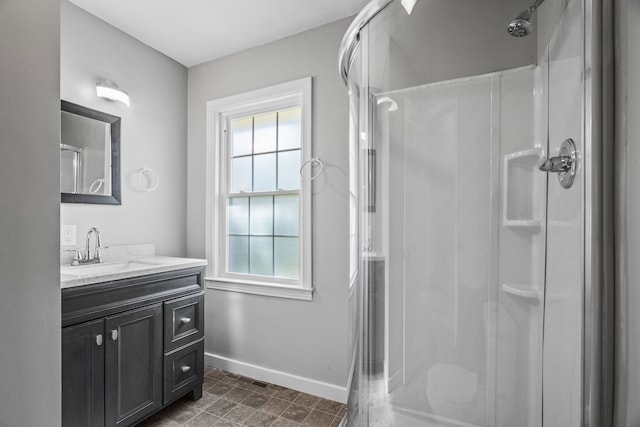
{"points": [[99, 339], [114, 334], [185, 320], [185, 368]]}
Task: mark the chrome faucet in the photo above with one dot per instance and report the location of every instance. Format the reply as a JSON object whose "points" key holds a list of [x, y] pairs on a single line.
{"points": [[89, 257]]}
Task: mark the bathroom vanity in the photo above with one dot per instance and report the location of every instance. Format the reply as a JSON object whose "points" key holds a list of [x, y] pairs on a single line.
{"points": [[132, 338]]}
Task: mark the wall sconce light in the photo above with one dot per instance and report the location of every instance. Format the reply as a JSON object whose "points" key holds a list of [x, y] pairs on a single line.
{"points": [[408, 5], [109, 90]]}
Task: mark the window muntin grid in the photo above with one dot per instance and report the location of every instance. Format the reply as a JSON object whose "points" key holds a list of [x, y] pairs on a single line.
{"points": [[263, 210]]}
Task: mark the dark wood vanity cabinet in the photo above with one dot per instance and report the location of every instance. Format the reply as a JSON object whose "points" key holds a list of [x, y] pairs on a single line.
{"points": [[124, 359]]}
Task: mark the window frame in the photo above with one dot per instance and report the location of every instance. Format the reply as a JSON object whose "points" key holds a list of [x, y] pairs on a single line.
{"points": [[220, 112]]}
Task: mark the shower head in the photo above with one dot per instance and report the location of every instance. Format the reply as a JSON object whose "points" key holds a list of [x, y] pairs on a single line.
{"points": [[521, 26]]}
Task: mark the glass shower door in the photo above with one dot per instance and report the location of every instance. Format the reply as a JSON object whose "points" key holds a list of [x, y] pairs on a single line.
{"points": [[479, 284], [449, 221]]}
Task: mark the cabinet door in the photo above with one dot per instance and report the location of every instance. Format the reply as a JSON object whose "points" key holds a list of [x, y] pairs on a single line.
{"points": [[133, 363], [83, 375]]}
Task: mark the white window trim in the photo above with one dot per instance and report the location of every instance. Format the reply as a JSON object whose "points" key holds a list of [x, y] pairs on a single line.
{"points": [[218, 113]]}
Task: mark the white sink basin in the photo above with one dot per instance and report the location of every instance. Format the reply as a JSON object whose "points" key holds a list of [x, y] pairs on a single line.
{"points": [[104, 269]]}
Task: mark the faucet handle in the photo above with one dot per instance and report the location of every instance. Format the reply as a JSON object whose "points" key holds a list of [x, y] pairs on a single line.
{"points": [[76, 257], [98, 256]]}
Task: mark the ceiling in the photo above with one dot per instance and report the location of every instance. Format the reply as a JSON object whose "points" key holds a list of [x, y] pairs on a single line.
{"points": [[196, 31]]}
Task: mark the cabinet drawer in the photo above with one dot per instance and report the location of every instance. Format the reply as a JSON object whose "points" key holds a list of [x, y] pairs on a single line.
{"points": [[183, 321], [183, 370]]}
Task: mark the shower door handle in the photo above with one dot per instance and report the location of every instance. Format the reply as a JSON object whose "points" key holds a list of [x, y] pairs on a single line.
{"points": [[565, 164]]}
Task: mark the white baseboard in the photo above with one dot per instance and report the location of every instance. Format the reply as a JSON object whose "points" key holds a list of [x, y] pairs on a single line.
{"points": [[295, 382]]}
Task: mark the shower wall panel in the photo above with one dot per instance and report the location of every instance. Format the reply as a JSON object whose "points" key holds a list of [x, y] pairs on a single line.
{"points": [[447, 225], [464, 278], [521, 252]]}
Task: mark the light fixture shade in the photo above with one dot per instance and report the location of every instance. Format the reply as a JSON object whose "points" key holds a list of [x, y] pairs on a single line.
{"points": [[109, 90], [408, 5]]}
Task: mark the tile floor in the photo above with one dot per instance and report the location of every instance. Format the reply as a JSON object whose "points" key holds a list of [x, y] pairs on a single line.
{"points": [[231, 400]]}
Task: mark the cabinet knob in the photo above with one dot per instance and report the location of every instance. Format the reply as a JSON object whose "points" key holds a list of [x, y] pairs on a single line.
{"points": [[114, 334], [99, 339], [185, 320], [185, 368]]}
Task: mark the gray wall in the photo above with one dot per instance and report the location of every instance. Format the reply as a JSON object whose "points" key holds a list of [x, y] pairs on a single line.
{"points": [[29, 213], [154, 130], [299, 338], [454, 39]]}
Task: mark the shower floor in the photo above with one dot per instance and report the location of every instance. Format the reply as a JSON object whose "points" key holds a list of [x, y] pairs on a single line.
{"points": [[410, 406]]}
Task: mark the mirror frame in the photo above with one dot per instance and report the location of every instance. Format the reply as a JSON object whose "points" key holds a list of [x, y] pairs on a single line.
{"points": [[115, 198]]}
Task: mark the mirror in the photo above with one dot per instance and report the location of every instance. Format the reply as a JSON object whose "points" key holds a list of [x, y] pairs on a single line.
{"points": [[89, 156]]}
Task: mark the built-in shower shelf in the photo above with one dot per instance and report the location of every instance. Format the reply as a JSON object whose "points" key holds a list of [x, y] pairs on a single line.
{"points": [[522, 203], [522, 291]]}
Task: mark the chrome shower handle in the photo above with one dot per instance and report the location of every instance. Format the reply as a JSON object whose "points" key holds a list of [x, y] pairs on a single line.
{"points": [[565, 164], [555, 164]]}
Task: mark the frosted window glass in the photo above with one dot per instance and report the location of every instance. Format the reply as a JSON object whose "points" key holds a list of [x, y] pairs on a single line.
{"points": [[289, 170], [286, 216], [241, 174], [238, 215], [286, 261], [289, 129], [238, 261], [264, 133], [261, 255], [241, 136], [261, 215], [264, 176]]}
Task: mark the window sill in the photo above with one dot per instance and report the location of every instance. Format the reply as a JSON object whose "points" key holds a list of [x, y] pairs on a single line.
{"points": [[266, 289]]}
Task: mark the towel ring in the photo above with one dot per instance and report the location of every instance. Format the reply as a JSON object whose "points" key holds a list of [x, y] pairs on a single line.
{"points": [[150, 173], [96, 186], [314, 162]]}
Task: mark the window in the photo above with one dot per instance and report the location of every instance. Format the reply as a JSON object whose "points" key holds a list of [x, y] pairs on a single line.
{"points": [[259, 207]]}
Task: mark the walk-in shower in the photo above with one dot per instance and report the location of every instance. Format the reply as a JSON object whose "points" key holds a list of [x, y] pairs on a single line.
{"points": [[476, 274]]}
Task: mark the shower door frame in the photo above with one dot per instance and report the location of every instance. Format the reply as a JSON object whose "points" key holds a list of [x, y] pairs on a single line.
{"points": [[598, 307]]}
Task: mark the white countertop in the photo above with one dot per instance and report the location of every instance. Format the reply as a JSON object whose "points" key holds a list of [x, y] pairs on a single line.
{"points": [[123, 264], [80, 275]]}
